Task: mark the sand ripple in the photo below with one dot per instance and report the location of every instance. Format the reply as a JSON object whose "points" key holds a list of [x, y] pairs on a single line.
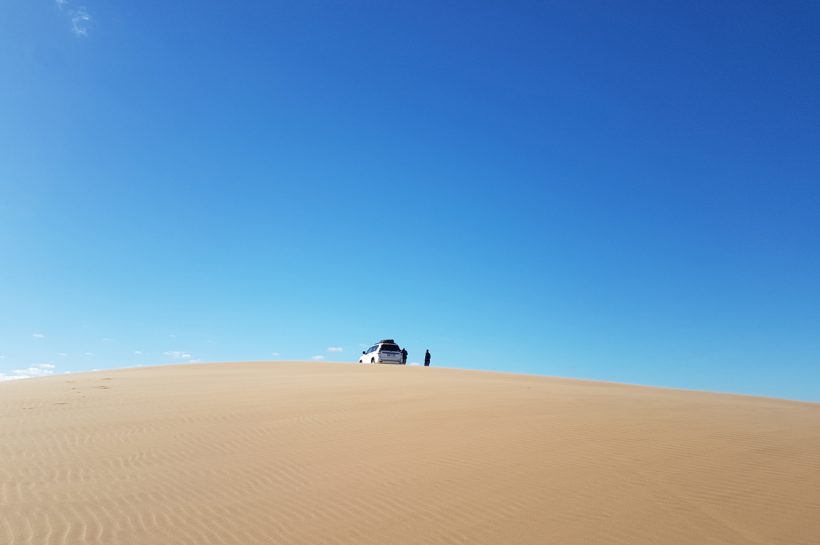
{"points": [[295, 453]]}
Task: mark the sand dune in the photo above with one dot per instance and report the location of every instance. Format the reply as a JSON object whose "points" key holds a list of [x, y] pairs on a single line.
{"points": [[291, 453]]}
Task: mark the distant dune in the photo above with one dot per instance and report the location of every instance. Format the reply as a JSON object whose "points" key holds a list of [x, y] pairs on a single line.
{"points": [[312, 453]]}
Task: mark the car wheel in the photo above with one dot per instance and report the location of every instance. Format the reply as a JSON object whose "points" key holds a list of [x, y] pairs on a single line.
{"points": [[372, 361]]}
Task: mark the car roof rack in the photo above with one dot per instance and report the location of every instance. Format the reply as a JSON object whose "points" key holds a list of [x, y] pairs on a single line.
{"points": [[391, 341]]}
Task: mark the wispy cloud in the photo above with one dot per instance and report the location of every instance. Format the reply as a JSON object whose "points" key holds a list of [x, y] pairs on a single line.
{"points": [[80, 22], [79, 17], [177, 354], [88, 354], [274, 354], [41, 370], [62, 354], [317, 358], [137, 352], [335, 349], [38, 336]]}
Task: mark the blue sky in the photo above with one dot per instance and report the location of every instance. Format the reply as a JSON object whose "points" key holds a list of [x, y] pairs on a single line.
{"points": [[625, 192]]}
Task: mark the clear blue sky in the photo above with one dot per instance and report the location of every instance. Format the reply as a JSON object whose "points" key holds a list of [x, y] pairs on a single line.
{"points": [[619, 191]]}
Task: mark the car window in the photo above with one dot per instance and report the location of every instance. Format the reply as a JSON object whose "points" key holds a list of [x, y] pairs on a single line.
{"points": [[390, 347], [371, 349]]}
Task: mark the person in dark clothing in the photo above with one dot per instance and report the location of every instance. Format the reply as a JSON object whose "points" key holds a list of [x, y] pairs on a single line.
{"points": [[404, 356], [427, 358]]}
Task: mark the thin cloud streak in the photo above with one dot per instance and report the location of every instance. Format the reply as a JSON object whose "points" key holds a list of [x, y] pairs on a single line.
{"points": [[177, 354], [41, 370]]}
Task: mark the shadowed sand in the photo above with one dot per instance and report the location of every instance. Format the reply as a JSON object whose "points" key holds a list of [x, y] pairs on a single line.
{"points": [[292, 453]]}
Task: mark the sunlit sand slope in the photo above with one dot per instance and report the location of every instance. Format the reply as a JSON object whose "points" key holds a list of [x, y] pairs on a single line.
{"points": [[306, 453]]}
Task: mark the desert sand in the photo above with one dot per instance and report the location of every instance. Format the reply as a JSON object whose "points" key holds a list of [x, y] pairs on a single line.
{"points": [[292, 453]]}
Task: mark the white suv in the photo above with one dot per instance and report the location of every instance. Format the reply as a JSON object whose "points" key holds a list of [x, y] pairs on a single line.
{"points": [[384, 351]]}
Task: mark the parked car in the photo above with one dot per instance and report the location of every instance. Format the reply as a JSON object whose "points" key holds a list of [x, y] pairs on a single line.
{"points": [[384, 351]]}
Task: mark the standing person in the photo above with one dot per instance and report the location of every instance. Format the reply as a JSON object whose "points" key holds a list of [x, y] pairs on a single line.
{"points": [[427, 358], [404, 356]]}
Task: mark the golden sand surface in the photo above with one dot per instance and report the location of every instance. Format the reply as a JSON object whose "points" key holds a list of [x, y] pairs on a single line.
{"points": [[318, 453]]}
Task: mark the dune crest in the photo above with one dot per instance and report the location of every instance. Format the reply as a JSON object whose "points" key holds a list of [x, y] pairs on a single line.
{"points": [[291, 453]]}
